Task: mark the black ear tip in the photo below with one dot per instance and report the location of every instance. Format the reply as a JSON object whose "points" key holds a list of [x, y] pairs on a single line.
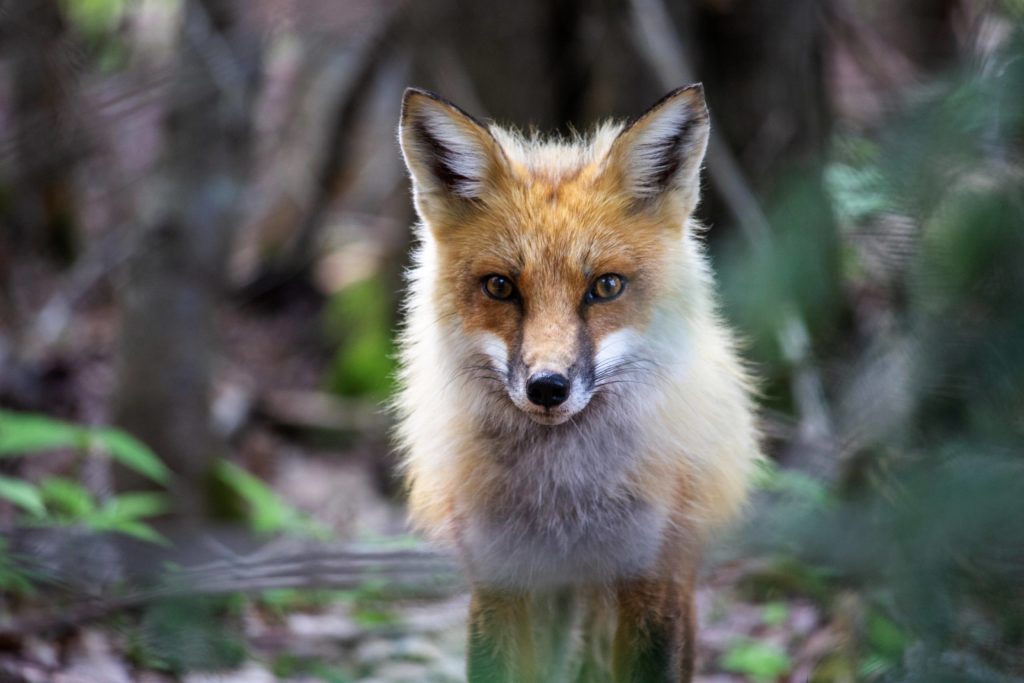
{"points": [[694, 91], [412, 93]]}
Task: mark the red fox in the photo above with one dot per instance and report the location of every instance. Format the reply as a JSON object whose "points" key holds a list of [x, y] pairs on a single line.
{"points": [[574, 416]]}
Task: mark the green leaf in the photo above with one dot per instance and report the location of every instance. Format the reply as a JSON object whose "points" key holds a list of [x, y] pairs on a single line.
{"points": [[23, 433], [872, 667], [22, 494], [132, 506], [192, 634], [135, 529], [15, 577], [268, 513], [371, 618], [94, 16], [774, 613], [132, 453], [794, 485], [886, 638], [760, 661], [67, 497], [359, 317]]}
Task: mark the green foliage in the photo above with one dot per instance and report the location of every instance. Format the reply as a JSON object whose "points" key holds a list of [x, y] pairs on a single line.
{"points": [[371, 602], [130, 452], [291, 666], [885, 638], [24, 495], [774, 613], [856, 185], [797, 487], [281, 601], [67, 503], [191, 634], [797, 275], [923, 521], [786, 577], [58, 501], [23, 434], [98, 24], [16, 578], [360, 320], [267, 512], [67, 499], [759, 661], [94, 17]]}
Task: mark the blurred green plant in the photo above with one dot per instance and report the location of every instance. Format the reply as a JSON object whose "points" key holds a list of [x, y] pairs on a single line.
{"points": [[97, 23], [26, 433], [774, 614], [16, 575], [360, 319], [95, 16], [371, 602], [60, 501], [190, 634], [266, 511], [922, 519], [293, 666], [761, 662]]}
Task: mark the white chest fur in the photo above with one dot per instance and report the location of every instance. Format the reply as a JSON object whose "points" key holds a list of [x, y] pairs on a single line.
{"points": [[564, 511]]}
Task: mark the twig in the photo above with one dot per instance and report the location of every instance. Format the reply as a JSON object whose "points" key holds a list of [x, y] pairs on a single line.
{"points": [[107, 254], [224, 67], [654, 38], [410, 573]]}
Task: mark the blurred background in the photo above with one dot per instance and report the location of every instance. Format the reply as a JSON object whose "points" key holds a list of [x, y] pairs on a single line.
{"points": [[204, 220]]}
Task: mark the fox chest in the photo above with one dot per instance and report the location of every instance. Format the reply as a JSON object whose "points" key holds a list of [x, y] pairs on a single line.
{"points": [[562, 514]]}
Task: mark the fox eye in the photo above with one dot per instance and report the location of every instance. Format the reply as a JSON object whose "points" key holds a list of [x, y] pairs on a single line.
{"points": [[607, 287], [499, 287]]}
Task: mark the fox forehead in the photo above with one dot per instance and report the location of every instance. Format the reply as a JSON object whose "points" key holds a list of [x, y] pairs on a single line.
{"points": [[567, 226]]}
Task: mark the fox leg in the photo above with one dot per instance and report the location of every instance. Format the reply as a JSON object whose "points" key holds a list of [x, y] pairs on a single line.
{"points": [[555, 619], [654, 639], [500, 648], [594, 661]]}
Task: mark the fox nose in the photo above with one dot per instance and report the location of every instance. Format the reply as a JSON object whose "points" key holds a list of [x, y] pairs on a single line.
{"points": [[547, 389]]}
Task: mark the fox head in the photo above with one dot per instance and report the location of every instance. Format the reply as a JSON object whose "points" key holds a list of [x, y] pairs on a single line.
{"points": [[552, 257]]}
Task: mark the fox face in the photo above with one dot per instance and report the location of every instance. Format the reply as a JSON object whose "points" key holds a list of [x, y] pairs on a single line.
{"points": [[556, 254]]}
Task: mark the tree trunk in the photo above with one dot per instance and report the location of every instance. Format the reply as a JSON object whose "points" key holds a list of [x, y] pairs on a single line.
{"points": [[46, 139], [175, 280]]}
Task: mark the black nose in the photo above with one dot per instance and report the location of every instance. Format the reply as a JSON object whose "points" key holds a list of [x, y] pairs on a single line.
{"points": [[547, 389]]}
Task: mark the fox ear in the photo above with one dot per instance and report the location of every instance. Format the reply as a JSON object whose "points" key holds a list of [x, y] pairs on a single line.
{"points": [[661, 151], [448, 152]]}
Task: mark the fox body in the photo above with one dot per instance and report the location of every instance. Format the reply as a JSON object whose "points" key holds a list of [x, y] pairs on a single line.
{"points": [[573, 414]]}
